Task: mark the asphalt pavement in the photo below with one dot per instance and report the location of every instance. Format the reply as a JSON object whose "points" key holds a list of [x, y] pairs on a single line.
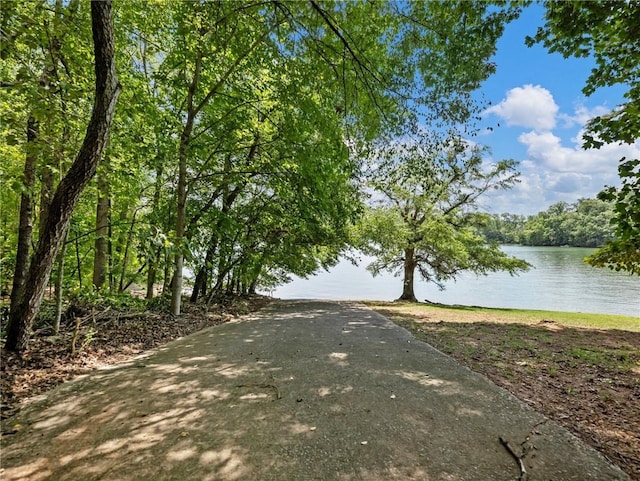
{"points": [[302, 390]]}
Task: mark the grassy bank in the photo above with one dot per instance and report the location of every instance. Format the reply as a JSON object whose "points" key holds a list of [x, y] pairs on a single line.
{"points": [[582, 370], [525, 316]]}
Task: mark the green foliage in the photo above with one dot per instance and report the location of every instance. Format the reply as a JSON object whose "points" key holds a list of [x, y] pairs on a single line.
{"points": [[264, 112], [608, 31], [504, 228], [585, 223], [426, 215], [619, 255], [86, 300]]}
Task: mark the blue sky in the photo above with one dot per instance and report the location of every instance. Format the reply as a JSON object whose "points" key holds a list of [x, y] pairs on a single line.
{"points": [[536, 116]]}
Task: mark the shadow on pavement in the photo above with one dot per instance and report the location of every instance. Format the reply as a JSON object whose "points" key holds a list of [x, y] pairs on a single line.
{"points": [[301, 391]]}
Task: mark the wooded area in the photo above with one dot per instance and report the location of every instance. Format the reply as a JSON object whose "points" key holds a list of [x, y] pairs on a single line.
{"points": [[246, 140], [586, 223]]}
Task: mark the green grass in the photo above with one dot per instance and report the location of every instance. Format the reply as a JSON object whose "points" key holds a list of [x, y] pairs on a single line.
{"points": [[598, 356], [524, 316]]}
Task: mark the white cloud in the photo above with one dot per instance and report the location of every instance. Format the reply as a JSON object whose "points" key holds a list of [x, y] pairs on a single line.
{"points": [[557, 166], [530, 106], [546, 150], [569, 183], [540, 187], [582, 115], [554, 172]]}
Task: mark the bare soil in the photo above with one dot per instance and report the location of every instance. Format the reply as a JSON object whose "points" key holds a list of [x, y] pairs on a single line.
{"points": [[588, 380], [104, 337]]}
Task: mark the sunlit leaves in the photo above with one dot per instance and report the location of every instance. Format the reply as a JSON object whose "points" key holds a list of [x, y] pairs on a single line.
{"points": [[426, 195]]}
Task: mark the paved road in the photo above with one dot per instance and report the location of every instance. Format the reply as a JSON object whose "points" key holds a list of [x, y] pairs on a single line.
{"points": [[304, 390]]}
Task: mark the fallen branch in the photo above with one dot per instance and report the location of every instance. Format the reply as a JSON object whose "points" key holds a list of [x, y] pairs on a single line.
{"points": [[527, 438], [517, 457], [76, 331]]}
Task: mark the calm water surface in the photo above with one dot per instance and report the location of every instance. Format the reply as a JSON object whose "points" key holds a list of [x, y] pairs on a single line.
{"points": [[559, 281]]}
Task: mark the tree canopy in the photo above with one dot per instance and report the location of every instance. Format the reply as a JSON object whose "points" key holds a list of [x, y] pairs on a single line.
{"points": [[585, 223], [239, 140], [425, 218]]}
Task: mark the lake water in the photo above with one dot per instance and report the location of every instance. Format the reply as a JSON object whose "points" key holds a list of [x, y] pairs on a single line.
{"points": [[559, 281]]}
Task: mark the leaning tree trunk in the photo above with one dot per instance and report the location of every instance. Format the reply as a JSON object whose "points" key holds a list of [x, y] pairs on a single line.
{"points": [[71, 186], [181, 215], [202, 278], [409, 272]]}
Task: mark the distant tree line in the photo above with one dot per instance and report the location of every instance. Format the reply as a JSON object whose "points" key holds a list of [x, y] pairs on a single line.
{"points": [[585, 223]]}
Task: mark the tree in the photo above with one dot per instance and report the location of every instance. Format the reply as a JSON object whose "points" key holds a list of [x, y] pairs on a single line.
{"points": [[68, 191], [585, 223], [609, 32], [33, 39], [504, 228], [237, 147], [349, 57], [427, 219]]}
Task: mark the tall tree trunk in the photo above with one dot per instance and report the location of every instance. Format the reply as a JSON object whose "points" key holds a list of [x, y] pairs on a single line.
{"points": [[166, 276], [78, 261], [46, 192], [181, 215], [409, 272], [110, 268], [176, 287], [125, 256], [202, 278], [71, 186], [200, 283], [154, 256], [102, 230], [25, 228], [58, 286], [151, 274]]}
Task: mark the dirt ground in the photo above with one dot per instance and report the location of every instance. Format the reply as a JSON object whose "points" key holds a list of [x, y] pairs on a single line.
{"points": [[585, 379]]}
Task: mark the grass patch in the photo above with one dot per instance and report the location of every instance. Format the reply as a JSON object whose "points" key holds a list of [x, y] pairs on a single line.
{"points": [[525, 316], [622, 359]]}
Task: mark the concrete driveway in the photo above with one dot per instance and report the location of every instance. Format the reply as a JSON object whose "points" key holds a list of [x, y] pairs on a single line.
{"points": [[303, 390]]}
